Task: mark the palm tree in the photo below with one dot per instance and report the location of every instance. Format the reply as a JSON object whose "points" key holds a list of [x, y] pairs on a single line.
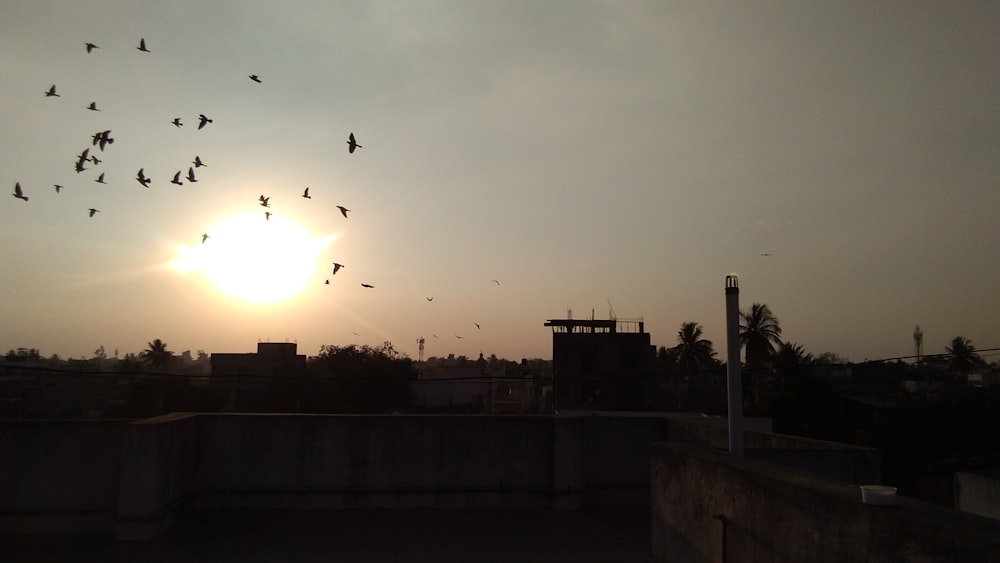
{"points": [[759, 332], [157, 355], [694, 353], [964, 358]]}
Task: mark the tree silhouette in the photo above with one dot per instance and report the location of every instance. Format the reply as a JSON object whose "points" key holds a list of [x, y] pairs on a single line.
{"points": [[694, 353], [963, 358], [157, 355], [759, 333]]}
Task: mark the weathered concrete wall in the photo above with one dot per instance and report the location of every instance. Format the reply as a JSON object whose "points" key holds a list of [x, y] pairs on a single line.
{"points": [[978, 493], [159, 461], [373, 454], [58, 474], [770, 513], [844, 462]]}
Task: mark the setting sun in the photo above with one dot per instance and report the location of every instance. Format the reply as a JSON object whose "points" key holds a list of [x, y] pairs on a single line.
{"points": [[255, 260]]}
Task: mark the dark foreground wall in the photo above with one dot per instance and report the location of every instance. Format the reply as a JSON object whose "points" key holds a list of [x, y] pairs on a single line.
{"points": [[707, 505], [67, 468]]}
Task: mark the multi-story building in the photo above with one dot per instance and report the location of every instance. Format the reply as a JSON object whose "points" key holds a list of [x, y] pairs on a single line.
{"points": [[602, 364]]}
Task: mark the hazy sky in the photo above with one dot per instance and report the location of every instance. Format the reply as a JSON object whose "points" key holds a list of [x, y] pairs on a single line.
{"points": [[580, 152]]}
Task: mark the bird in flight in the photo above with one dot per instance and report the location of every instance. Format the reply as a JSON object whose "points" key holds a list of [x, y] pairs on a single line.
{"points": [[264, 201], [204, 237], [177, 122], [336, 267], [477, 325], [93, 211], [52, 91], [143, 179], [765, 253], [459, 337], [103, 138], [190, 176], [496, 281], [435, 336], [255, 78], [177, 180], [306, 195], [197, 162], [100, 179], [327, 282], [430, 299], [267, 215], [95, 160], [203, 120], [352, 144], [368, 285], [58, 187], [91, 47], [93, 106], [343, 210], [142, 45], [18, 193]]}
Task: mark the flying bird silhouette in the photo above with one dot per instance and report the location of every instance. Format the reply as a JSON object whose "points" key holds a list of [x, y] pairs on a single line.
{"points": [[142, 45], [91, 47], [459, 337], [430, 298], [264, 201], [58, 187], [190, 176], [143, 179], [765, 253], [95, 160], [435, 336], [255, 78], [306, 195], [103, 138], [336, 267], [93, 211], [368, 285], [93, 106], [352, 144], [477, 325], [202, 120], [343, 210], [177, 122], [496, 282], [327, 282], [197, 162], [267, 215], [52, 91], [204, 237], [100, 179], [18, 193], [177, 180]]}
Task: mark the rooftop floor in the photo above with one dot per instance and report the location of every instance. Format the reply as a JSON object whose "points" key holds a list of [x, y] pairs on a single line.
{"points": [[606, 534]]}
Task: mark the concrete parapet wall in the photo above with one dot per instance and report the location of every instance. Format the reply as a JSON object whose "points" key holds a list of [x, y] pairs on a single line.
{"points": [[707, 505], [978, 493], [159, 462], [373, 453], [59, 474]]}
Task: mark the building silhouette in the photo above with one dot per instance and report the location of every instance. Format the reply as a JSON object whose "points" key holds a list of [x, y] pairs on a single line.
{"points": [[602, 364]]}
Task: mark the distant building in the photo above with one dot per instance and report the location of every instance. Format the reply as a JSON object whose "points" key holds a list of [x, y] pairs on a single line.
{"points": [[446, 386], [602, 364], [273, 359]]}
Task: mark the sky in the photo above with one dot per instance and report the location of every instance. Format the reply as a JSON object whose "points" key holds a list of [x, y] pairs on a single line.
{"points": [[594, 157]]}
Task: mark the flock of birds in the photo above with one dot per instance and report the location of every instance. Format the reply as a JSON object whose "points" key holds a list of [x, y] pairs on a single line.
{"points": [[103, 139]]}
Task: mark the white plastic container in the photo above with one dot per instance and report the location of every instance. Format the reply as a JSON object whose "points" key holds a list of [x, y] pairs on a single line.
{"points": [[879, 495]]}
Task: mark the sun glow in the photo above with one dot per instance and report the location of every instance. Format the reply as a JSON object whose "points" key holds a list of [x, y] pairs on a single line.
{"points": [[255, 260]]}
